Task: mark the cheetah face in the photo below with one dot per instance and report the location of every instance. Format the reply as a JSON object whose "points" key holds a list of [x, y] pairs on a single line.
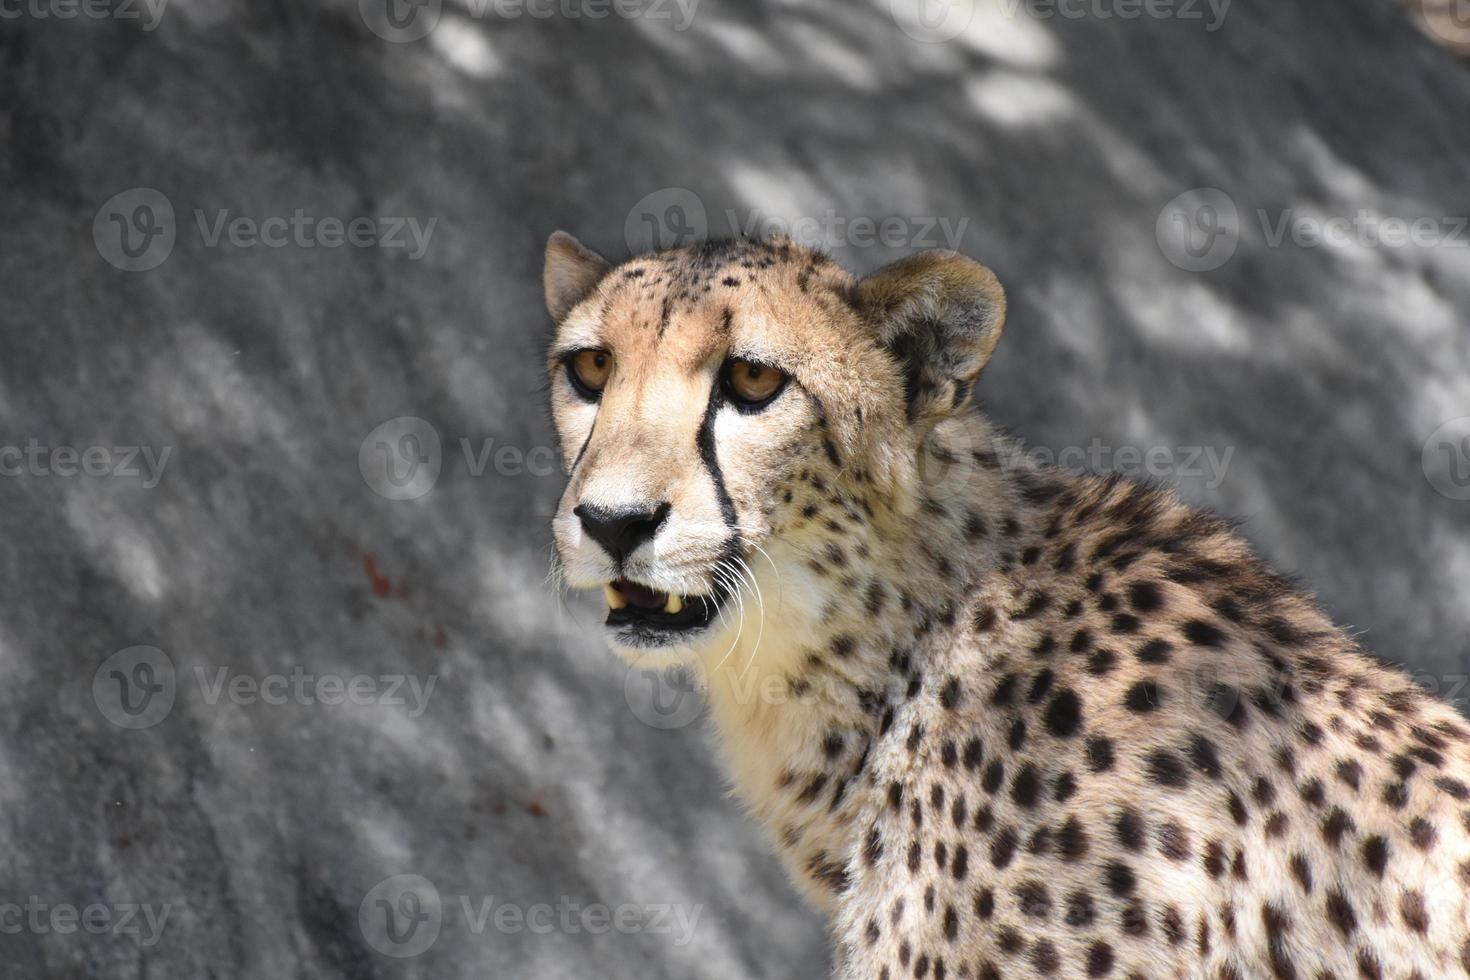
{"points": [[693, 389]]}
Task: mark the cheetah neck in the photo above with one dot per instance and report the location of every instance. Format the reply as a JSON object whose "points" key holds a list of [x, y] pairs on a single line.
{"points": [[843, 616]]}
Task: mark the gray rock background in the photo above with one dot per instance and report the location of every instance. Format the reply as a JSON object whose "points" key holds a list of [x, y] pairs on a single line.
{"points": [[539, 771]]}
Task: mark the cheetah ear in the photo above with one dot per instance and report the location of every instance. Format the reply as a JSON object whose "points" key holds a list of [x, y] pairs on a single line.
{"points": [[572, 271], [940, 315]]}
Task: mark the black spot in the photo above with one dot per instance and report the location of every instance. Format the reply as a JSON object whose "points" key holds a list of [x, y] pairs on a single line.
{"points": [[1017, 737], [949, 695], [1072, 840], [1119, 878], [1101, 662], [1064, 714], [984, 903], [1143, 697], [832, 746], [973, 754], [1099, 959], [1081, 911], [1204, 634], [1336, 825], [1035, 606], [1145, 596], [1045, 958], [1130, 830], [1034, 900], [1003, 848], [1027, 786], [1167, 769], [1099, 753], [1174, 842], [1340, 913], [1202, 753], [1227, 703], [1375, 854], [1040, 686], [994, 775], [1125, 623], [1155, 652]]}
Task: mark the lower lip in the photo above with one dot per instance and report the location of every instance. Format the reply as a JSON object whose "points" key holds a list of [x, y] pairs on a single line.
{"points": [[659, 629]]}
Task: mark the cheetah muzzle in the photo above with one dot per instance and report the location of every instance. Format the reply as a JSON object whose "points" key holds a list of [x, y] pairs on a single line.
{"points": [[999, 720]]}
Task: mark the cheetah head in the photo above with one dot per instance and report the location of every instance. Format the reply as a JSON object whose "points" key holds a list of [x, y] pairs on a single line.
{"points": [[714, 403]]}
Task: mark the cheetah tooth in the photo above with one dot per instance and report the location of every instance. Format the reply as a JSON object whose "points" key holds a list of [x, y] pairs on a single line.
{"points": [[615, 598], [674, 606]]}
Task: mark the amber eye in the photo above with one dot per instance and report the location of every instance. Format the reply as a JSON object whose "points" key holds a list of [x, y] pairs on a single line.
{"points": [[750, 384], [589, 371]]}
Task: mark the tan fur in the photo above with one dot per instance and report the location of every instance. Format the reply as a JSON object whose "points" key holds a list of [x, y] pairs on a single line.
{"points": [[1000, 721]]}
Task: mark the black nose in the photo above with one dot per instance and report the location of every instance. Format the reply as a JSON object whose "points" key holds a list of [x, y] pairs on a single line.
{"points": [[620, 530]]}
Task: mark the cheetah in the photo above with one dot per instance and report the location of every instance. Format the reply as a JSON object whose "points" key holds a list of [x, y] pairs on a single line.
{"points": [[999, 720]]}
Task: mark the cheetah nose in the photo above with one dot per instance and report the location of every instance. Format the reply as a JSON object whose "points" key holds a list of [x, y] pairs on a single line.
{"points": [[621, 530]]}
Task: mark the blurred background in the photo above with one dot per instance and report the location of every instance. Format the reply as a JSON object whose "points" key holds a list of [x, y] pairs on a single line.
{"points": [[285, 693]]}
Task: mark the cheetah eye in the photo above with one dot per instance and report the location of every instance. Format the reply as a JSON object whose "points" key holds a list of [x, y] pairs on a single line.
{"points": [[752, 385], [589, 371]]}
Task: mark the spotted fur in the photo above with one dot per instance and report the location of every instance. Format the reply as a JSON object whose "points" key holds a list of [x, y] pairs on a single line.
{"points": [[999, 720]]}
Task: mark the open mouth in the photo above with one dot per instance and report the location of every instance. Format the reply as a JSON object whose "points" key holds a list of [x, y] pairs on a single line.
{"points": [[640, 613]]}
